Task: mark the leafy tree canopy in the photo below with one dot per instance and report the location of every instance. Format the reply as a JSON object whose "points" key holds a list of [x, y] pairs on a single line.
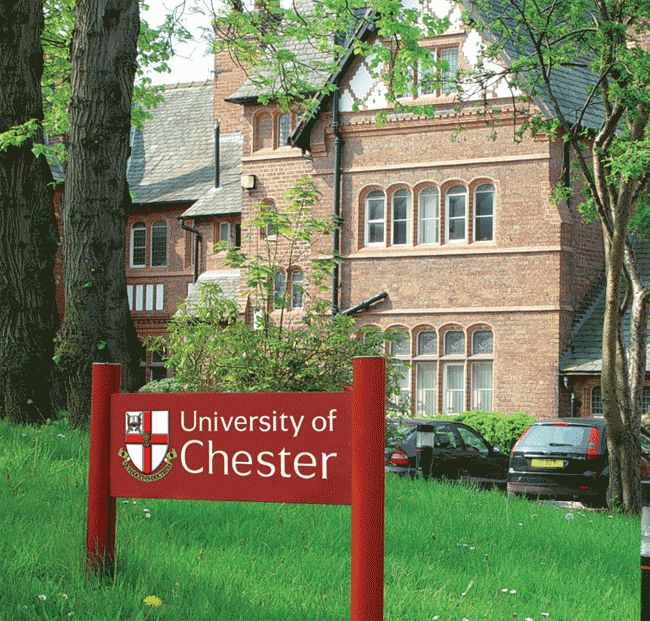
{"points": [[155, 48]]}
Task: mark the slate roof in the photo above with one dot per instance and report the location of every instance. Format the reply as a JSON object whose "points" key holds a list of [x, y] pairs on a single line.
{"points": [[172, 157], [304, 52], [583, 356], [570, 85], [226, 199], [228, 281]]}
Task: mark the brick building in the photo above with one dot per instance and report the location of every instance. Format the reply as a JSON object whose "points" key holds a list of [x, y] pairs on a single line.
{"points": [[484, 275], [186, 190], [494, 288]]}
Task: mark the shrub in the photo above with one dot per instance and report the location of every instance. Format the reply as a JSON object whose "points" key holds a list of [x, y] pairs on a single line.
{"points": [[496, 427]]}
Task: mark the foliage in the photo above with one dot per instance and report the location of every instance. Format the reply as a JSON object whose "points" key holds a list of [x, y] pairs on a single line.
{"points": [[285, 349], [263, 40], [577, 72], [155, 48], [209, 349], [167, 384], [496, 427], [284, 238]]}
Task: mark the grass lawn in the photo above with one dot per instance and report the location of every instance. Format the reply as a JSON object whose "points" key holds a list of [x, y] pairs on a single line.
{"points": [[450, 551]]}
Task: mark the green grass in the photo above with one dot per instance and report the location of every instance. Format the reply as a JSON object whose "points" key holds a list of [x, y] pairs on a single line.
{"points": [[449, 552]]}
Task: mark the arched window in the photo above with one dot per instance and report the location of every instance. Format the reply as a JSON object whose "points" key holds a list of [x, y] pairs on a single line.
{"points": [[279, 288], [375, 217], [454, 343], [138, 244], [484, 213], [482, 342], [453, 373], [263, 131], [159, 244], [296, 289], [426, 374], [482, 371], [400, 347], [596, 401], [456, 213], [427, 344], [429, 217], [283, 129], [401, 217]]}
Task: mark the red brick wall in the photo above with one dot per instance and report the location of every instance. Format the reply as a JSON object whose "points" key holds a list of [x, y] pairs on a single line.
{"points": [[228, 77], [175, 275]]}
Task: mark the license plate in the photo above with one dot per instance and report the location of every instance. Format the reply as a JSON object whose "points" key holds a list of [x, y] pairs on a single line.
{"points": [[547, 463]]}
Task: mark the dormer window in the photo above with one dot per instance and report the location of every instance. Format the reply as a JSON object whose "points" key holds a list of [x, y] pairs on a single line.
{"points": [[438, 82]]}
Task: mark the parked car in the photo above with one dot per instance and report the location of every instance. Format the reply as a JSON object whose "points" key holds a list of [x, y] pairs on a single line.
{"points": [[565, 459], [448, 450]]}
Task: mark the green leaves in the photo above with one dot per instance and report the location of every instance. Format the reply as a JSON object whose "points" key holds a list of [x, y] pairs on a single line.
{"points": [[155, 48]]}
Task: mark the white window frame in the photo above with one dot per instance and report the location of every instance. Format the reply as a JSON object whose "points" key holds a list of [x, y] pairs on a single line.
{"points": [[477, 217], [409, 206], [421, 393], [442, 91], [476, 391], [591, 402], [449, 194], [435, 219], [445, 385], [132, 236], [231, 233], [368, 222]]}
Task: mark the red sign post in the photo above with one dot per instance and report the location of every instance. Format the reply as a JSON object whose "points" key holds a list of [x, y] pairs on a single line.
{"points": [[318, 448]]}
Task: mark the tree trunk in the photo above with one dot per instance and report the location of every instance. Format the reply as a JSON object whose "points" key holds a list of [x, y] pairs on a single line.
{"points": [[97, 324], [636, 371], [27, 228], [611, 358]]}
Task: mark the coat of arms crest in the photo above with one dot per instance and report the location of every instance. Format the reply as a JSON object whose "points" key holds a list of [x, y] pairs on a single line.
{"points": [[147, 443]]}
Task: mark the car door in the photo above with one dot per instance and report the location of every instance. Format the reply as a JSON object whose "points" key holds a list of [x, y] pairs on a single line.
{"points": [[478, 462], [447, 451]]}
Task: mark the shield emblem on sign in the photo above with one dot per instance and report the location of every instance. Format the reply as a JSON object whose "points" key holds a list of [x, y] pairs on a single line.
{"points": [[147, 438]]}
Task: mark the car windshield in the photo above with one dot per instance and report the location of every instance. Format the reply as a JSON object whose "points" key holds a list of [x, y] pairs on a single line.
{"points": [[556, 438]]}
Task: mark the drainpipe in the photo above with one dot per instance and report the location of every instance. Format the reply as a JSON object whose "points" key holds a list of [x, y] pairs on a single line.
{"points": [[366, 304], [217, 157], [195, 247], [336, 199]]}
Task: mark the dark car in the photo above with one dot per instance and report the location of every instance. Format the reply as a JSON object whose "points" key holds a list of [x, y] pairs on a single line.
{"points": [[563, 459], [448, 450]]}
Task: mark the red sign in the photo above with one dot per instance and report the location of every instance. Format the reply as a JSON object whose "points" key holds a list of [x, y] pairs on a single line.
{"points": [[325, 448], [269, 447]]}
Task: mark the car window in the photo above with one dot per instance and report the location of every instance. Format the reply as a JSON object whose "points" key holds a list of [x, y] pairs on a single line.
{"points": [[562, 438], [446, 438], [473, 442]]}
